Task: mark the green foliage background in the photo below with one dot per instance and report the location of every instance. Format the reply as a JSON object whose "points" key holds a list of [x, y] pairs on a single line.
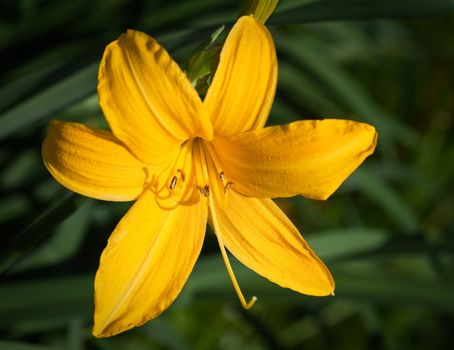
{"points": [[387, 234]]}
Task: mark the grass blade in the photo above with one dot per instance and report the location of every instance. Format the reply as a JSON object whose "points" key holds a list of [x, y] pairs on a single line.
{"points": [[332, 10]]}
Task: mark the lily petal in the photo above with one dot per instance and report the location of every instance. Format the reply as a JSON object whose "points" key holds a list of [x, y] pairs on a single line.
{"points": [[147, 100], [261, 236], [310, 157], [147, 261], [242, 92], [92, 162]]}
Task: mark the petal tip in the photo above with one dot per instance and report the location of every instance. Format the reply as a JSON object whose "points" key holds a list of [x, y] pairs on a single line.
{"points": [[104, 332]]}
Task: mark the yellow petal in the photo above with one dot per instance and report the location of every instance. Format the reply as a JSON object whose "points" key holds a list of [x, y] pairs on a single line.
{"points": [[259, 235], [310, 158], [242, 92], [147, 261], [92, 162], [147, 100]]}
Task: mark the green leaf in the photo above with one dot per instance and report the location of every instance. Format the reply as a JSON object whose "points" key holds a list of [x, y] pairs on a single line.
{"points": [[40, 228], [46, 299], [304, 90], [387, 288], [315, 58], [179, 11], [10, 345], [387, 198], [332, 10], [13, 206], [203, 62], [370, 283], [64, 243], [50, 101], [335, 243], [16, 90], [18, 170]]}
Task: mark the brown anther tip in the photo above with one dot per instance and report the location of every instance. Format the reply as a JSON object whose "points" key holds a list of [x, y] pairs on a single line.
{"points": [[173, 183], [222, 176], [181, 174], [205, 191], [227, 186]]}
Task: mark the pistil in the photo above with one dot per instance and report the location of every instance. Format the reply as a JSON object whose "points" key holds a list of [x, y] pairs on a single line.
{"points": [[236, 286]]}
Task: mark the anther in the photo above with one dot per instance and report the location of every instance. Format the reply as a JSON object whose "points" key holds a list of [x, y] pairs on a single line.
{"points": [[181, 174], [205, 191], [222, 176], [173, 183], [227, 186]]}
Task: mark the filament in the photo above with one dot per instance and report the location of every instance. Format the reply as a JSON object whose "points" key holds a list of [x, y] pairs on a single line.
{"points": [[217, 175], [170, 188], [200, 166], [246, 305]]}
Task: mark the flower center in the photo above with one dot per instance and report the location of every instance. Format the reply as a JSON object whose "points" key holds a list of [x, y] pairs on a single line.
{"points": [[209, 173], [197, 167]]}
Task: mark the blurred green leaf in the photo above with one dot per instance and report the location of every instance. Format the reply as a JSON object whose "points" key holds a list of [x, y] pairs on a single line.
{"points": [[19, 169], [314, 56], [76, 334], [388, 199], [48, 102], [335, 243], [175, 12], [164, 333], [16, 90], [386, 288], [46, 299], [301, 89], [374, 285], [52, 16], [39, 229], [63, 244], [12, 207], [331, 10], [11, 345]]}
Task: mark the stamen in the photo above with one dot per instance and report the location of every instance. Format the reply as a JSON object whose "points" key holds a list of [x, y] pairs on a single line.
{"points": [[175, 165], [181, 174], [332, 294], [173, 183], [215, 160], [205, 191], [226, 260], [168, 189], [200, 166], [227, 186]]}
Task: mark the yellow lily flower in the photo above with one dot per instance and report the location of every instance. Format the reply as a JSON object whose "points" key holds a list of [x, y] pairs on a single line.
{"points": [[189, 161]]}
